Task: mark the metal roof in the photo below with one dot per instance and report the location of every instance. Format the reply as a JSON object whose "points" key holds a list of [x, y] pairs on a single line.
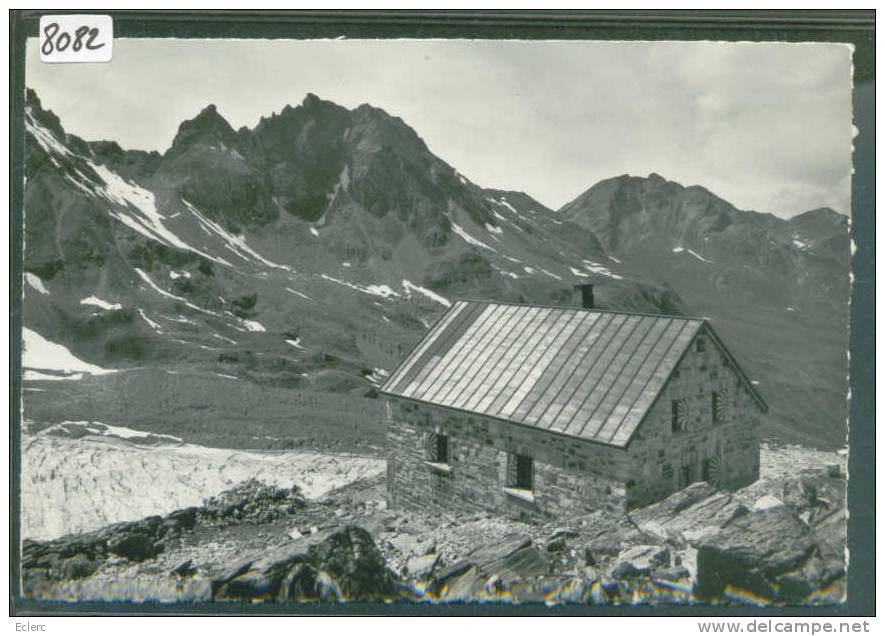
{"points": [[585, 373]]}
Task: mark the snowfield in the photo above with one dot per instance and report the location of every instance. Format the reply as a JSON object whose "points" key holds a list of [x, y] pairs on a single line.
{"points": [[40, 354], [76, 485]]}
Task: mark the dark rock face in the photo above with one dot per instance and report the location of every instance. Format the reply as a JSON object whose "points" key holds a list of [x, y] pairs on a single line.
{"points": [[78, 556], [333, 565], [491, 570], [770, 555]]}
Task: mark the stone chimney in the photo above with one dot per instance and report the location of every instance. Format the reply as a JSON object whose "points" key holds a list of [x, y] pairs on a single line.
{"points": [[584, 295]]}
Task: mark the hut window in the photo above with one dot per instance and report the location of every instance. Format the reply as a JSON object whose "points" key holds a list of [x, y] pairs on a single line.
{"points": [[520, 471], [679, 415], [438, 448], [701, 345]]}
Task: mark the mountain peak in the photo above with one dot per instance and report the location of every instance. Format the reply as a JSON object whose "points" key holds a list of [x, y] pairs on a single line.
{"points": [[824, 213], [207, 127]]}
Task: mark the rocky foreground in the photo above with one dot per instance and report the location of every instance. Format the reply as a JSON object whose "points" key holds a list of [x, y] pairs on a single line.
{"points": [[781, 540]]}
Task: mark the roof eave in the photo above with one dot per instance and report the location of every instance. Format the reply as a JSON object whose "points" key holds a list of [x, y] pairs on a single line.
{"points": [[455, 409]]}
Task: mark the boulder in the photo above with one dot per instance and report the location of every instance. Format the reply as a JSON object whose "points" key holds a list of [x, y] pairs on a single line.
{"points": [[184, 569], [136, 544], [556, 545], [184, 519], [639, 560], [491, 569], [77, 567], [767, 501], [340, 564], [769, 554], [420, 568]]}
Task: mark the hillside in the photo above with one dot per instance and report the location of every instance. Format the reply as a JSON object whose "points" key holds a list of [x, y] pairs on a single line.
{"points": [[310, 252], [777, 290]]}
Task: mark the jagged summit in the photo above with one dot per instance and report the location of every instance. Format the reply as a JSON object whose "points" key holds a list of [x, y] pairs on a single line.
{"points": [[338, 230], [207, 128]]}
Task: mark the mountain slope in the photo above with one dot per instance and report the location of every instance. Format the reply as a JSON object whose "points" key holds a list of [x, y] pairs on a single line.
{"points": [[777, 290], [310, 252]]}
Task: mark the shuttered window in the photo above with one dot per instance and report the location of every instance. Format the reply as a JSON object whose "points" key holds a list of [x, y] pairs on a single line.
{"points": [[679, 415], [721, 406]]}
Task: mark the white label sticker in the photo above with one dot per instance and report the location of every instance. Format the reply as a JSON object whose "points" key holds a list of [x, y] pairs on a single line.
{"points": [[76, 38]]}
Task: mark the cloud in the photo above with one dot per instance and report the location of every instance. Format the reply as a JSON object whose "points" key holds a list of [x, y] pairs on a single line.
{"points": [[766, 126]]}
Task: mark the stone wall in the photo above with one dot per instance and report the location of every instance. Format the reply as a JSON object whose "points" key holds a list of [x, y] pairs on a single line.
{"points": [[571, 476], [730, 446]]}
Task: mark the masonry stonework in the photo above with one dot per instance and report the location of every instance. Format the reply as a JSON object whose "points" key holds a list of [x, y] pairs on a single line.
{"points": [[730, 446], [571, 476], [716, 441]]}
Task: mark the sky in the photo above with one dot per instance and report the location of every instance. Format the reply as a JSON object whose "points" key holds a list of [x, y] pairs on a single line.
{"points": [[766, 126]]}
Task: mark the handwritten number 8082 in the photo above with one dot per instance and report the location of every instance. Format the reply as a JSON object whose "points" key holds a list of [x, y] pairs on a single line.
{"points": [[64, 39]]}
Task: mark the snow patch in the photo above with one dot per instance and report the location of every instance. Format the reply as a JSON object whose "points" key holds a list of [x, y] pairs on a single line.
{"points": [[602, 270], [314, 231], [295, 343], [253, 325], [176, 275], [101, 304], [155, 326], [494, 229], [235, 243], [551, 274], [470, 239], [679, 249], [409, 286], [166, 294], [43, 355], [43, 136], [34, 281], [376, 290], [377, 376], [298, 293]]}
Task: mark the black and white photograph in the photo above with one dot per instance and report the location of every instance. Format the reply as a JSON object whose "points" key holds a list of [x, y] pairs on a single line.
{"points": [[436, 321]]}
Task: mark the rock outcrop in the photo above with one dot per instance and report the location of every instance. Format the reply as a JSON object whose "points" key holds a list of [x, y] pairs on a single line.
{"points": [[789, 553], [332, 565]]}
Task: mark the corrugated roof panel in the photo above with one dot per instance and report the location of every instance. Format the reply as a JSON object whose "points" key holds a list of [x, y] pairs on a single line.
{"points": [[656, 381], [592, 415], [425, 344], [479, 356], [640, 382], [455, 341], [544, 409], [531, 351], [566, 420], [537, 323], [438, 345], [497, 359], [546, 349], [533, 323], [586, 373], [557, 366]]}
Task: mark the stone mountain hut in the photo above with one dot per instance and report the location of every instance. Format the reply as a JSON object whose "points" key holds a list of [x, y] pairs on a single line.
{"points": [[534, 410]]}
